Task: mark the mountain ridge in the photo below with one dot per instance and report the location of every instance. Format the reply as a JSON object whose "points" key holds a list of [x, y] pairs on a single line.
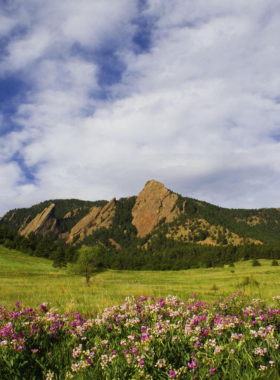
{"points": [[155, 209]]}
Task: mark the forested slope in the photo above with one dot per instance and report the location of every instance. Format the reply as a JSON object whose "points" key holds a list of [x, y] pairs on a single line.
{"points": [[157, 229]]}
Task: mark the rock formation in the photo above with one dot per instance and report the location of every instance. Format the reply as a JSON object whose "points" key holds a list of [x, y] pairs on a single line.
{"points": [[70, 214], [13, 214], [97, 217], [115, 244], [153, 203], [43, 222], [67, 215], [25, 223]]}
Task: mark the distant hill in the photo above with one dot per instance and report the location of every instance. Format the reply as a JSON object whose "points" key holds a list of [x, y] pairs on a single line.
{"points": [[156, 221]]}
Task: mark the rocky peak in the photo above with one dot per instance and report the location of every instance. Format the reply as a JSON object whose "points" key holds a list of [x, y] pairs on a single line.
{"points": [[154, 203], [43, 222]]}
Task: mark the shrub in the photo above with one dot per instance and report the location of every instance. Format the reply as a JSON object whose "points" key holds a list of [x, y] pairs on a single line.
{"points": [[256, 263]]}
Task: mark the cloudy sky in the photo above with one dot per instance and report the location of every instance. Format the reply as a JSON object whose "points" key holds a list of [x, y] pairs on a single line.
{"points": [[99, 96]]}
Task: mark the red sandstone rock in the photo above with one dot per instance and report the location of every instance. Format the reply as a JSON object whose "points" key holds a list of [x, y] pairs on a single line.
{"points": [[42, 223], [152, 204], [97, 217]]}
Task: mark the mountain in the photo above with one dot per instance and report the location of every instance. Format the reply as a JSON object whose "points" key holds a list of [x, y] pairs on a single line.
{"points": [[157, 220], [187, 219]]}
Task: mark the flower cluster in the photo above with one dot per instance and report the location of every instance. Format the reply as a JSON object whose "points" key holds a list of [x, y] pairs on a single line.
{"points": [[143, 338]]}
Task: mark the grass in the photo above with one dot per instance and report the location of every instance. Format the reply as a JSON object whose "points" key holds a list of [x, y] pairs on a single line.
{"points": [[33, 280]]}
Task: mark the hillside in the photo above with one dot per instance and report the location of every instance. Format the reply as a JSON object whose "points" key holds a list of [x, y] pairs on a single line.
{"points": [[17, 264], [156, 222]]}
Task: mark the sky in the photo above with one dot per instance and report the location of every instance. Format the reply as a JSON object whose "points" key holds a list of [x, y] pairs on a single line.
{"points": [[98, 97]]}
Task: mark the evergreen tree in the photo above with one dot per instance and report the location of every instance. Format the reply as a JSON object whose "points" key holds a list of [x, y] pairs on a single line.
{"points": [[59, 259]]}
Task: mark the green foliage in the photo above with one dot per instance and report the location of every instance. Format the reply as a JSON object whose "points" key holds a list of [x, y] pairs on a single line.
{"points": [[59, 259], [45, 248], [236, 220], [88, 263], [38, 246], [256, 263], [274, 263]]}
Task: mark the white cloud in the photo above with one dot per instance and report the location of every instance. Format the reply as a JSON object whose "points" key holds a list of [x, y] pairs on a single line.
{"points": [[24, 52], [90, 22], [197, 111], [6, 25]]}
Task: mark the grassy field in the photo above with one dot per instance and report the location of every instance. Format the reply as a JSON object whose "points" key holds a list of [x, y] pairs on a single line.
{"points": [[33, 280]]}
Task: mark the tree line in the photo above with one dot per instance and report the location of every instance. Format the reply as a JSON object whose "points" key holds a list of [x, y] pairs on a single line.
{"points": [[160, 253], [34, 245]]}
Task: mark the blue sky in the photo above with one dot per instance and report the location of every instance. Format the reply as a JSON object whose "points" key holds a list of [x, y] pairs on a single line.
{"points": [[98, 97]]}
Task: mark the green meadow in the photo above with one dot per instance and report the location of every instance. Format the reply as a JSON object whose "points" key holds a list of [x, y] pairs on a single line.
{"points": [[33, 280]]}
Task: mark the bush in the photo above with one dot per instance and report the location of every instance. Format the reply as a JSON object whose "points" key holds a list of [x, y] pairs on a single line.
{"points": [[256, 263], [274, 263]]}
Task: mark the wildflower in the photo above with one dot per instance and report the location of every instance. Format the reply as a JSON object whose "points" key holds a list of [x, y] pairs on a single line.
{"points": [[260, 351], [172, 374], [160, 363], [262, 368], [193, 365], [44, 306], [77, 351], [211, 371], [134, 350], [144, 337], [218, 349], [50, 375]]}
